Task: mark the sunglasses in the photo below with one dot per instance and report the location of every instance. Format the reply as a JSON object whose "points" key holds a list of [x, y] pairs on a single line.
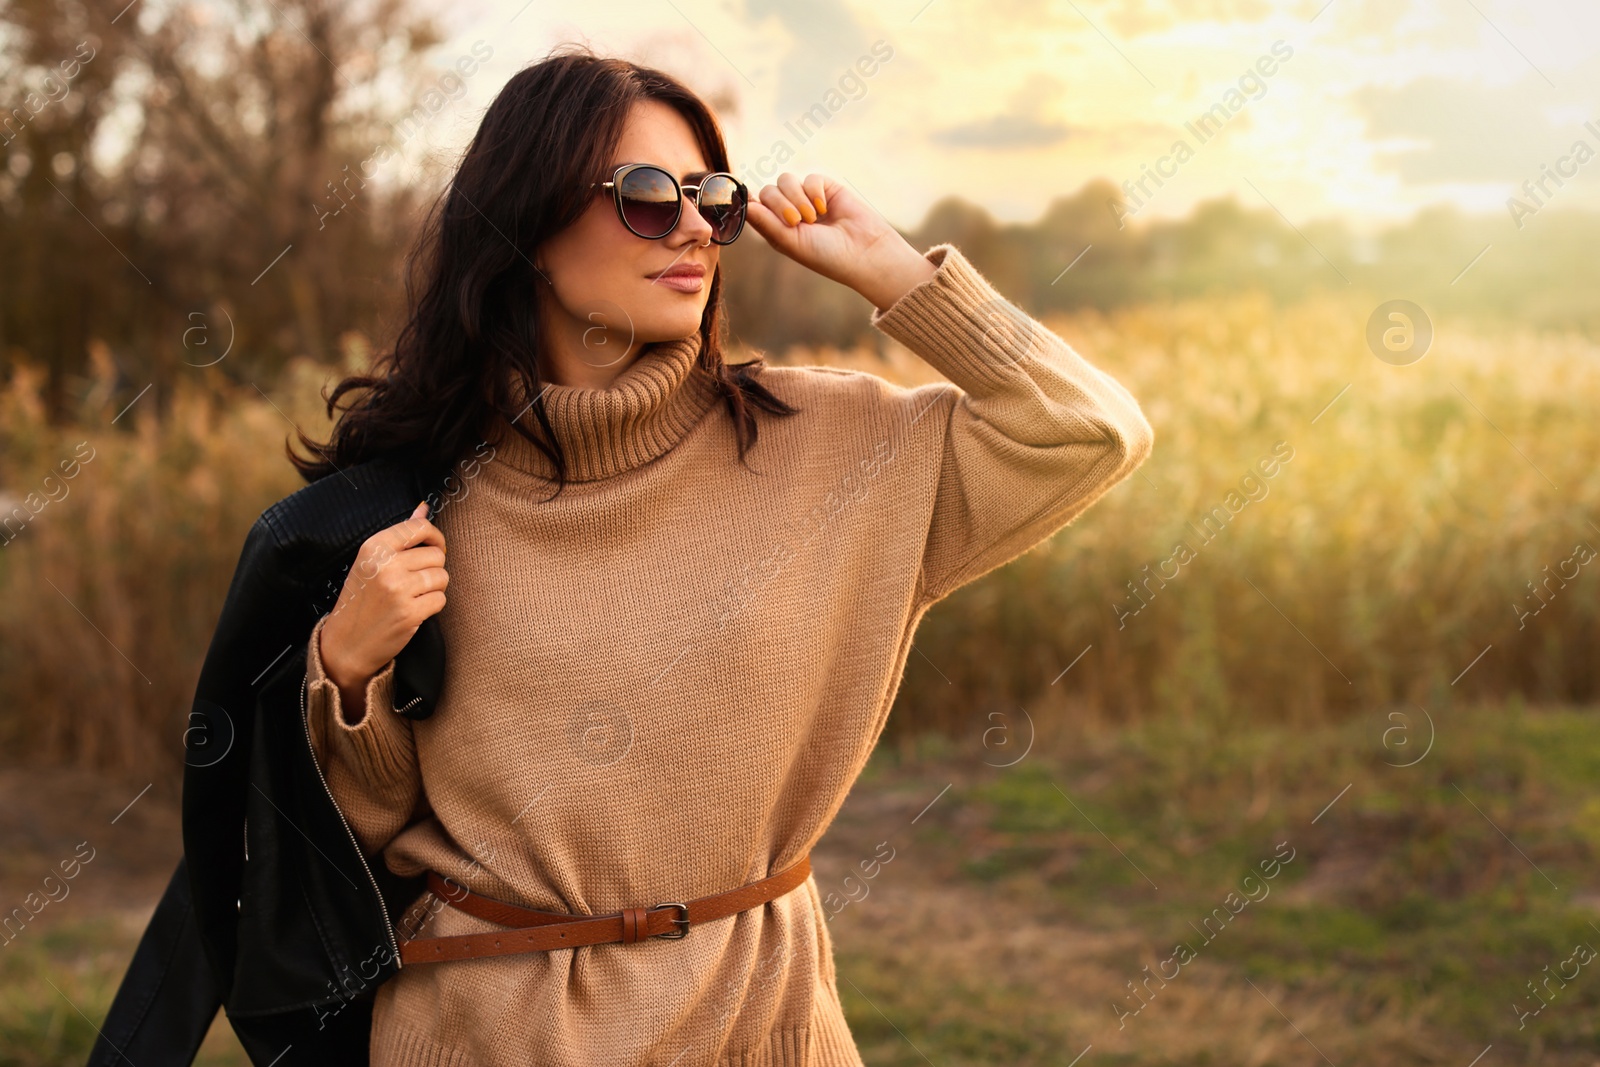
{"points": [[650, 201]]}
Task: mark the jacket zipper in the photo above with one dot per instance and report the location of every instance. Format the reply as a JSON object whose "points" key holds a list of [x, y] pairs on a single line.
{"points": [[388, 927]]}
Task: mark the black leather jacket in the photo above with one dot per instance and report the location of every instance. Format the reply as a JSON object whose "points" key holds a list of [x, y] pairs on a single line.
{"points": [[294, 940]]}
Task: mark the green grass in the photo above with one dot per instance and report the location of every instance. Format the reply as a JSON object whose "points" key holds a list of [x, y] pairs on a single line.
{"points": [[1402, 931], [55, 980]]}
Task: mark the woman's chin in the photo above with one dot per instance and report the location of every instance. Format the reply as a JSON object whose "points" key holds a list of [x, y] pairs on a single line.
{"points": [[670, 325]]}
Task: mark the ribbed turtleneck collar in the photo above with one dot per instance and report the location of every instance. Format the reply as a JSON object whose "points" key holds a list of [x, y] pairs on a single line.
{"points": [[647, 409]]}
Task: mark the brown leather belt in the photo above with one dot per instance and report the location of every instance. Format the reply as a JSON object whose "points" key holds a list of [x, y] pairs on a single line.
{"points": [[541, 931]]}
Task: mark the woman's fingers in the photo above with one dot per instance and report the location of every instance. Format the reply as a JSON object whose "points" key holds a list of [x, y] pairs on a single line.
{"points": [[420, 557], [816, 191], [774, 200], [429, 580], [791, 188], [769, 223], [794, 200], [413, 530], [396, 583]]}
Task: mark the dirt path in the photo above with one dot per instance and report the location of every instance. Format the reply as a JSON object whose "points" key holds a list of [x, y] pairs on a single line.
{"points": [[118, 838]]}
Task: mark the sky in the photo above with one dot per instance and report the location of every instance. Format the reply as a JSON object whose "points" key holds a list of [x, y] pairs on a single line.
{"points": [[1364, 110]]}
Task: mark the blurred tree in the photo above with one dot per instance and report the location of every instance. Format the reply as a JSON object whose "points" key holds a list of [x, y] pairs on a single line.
{"points": [[185, 179]]}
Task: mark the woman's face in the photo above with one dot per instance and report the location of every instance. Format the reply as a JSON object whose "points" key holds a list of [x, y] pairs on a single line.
{"points": [[602, 302]]}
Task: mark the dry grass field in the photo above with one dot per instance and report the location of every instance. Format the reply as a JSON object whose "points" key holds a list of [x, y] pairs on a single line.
{"points": [[1380, 665]]}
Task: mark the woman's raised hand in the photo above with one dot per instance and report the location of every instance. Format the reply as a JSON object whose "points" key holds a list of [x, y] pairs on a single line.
{"points": [[397, 581], [821, 224]]}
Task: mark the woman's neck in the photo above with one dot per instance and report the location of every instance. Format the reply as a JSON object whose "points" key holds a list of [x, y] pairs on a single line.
{"points": [[588, 358]]}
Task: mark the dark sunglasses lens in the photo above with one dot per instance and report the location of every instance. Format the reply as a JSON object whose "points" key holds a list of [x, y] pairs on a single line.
{"points": [[649, 201], [722, 202]]}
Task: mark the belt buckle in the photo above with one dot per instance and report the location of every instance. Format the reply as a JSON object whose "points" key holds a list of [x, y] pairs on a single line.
{"points": [[683, 923]]}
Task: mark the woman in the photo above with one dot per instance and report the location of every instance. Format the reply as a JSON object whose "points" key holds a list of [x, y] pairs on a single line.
{"points": [[680, 594]]}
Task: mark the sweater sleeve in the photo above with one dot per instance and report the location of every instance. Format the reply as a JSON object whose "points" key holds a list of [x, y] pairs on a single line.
{"points": [[1033, 433], [371, 767]]}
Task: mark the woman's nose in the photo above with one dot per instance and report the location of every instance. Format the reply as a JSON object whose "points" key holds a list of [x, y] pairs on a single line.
{"points": [[692, 223]]}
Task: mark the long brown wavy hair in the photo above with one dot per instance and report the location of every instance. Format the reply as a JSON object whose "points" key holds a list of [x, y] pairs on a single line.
{"points": [[471, 315]]}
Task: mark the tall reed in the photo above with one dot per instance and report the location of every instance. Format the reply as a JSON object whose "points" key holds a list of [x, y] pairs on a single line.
{"points": [[1419, 549], [1431, 541]]}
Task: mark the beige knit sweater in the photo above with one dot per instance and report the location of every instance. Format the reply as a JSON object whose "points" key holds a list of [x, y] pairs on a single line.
{"points": [[663, 684]]}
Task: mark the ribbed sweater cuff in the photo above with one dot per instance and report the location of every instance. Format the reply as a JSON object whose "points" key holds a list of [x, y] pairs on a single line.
{"points": [[959, 322], [381, 744]]}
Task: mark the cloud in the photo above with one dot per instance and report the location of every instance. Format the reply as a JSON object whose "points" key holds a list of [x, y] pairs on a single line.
{"points": [[1003, 131], [825, 39], [1470, 132], [1138, 18], [1024, 123]]}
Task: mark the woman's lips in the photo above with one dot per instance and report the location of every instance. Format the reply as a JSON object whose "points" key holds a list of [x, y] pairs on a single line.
{"points": [[683, 283]]}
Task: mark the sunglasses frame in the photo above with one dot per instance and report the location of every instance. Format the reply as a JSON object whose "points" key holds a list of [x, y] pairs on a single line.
{"points": [[615, 185]]}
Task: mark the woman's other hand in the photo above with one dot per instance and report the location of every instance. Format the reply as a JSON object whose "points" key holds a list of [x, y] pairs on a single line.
{"points": [[821, 224], [396, 582]]}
